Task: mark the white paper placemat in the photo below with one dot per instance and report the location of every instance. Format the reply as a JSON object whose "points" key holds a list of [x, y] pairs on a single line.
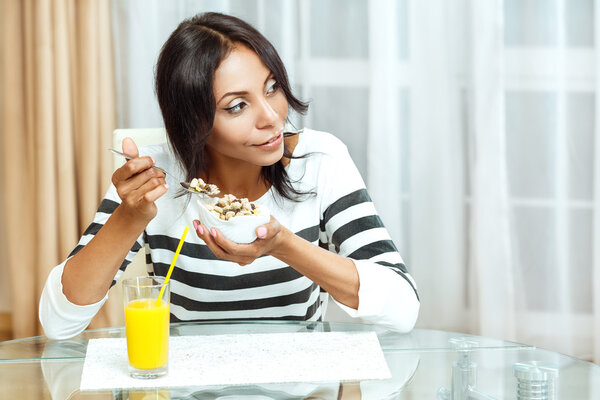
{"points": [[243, 359]]}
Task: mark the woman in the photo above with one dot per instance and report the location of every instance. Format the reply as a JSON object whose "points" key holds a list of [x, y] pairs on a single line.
{"points": [[224, 96]]}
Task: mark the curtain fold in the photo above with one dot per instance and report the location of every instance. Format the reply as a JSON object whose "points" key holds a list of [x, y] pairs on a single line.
{"points": [[57, 120], [383, 115], [17, 169], [595, 326], [437, 183], [492, 280]]}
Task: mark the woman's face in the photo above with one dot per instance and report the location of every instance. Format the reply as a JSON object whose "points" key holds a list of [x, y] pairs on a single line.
{"points": [[251, 110]]}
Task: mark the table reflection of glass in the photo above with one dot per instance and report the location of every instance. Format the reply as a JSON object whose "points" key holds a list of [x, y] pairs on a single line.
{"points": [[420, 362]]}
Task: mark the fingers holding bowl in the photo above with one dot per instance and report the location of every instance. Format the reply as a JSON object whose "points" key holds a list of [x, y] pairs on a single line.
{"points": [[224, 248]]}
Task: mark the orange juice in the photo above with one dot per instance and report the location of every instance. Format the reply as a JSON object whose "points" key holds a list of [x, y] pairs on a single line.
{"points": [[147, 327]]}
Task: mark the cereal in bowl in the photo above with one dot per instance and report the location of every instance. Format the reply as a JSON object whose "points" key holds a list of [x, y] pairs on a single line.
{"points": [[229, 206]]}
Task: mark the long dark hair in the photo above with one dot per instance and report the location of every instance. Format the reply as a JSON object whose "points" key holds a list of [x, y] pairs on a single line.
{"points": [[184, 87]]}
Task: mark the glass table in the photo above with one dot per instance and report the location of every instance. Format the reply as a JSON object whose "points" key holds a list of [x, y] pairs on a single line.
{"points": [[425, 364]]}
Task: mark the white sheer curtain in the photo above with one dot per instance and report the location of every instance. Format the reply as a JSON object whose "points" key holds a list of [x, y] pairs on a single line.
{"points": [[475, 126]]}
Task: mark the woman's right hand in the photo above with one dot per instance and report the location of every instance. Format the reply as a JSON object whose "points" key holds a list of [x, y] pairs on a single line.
{"points": [[138, 184]]}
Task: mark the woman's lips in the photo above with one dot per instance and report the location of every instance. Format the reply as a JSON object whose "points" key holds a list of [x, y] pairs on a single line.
{"points": [[272, 143]]}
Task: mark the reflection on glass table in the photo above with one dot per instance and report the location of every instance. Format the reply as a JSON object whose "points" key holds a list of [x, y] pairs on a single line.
{"points": [[423, 364]]}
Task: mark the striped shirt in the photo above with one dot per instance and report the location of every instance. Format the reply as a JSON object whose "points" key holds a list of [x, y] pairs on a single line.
{"points": [[339, 216]]}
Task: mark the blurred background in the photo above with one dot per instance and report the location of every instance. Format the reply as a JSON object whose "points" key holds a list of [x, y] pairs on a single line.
{"points": [[473, 122]]}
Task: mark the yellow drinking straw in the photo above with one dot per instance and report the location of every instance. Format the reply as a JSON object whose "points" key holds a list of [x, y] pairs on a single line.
{"points": [[179, 246]]}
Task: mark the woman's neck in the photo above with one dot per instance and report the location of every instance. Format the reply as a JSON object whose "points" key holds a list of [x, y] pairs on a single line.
{"points": [[236, 177]]}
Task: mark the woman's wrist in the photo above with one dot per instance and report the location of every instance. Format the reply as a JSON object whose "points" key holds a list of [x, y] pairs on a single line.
{"points": [[129, 219], [283, 244]]}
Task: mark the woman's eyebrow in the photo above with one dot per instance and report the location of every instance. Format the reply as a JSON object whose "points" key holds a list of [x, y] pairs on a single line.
{"points": [[243, 92], [232, 94]]}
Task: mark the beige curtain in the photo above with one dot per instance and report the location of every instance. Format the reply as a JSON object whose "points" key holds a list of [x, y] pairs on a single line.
{"points": [[57, 116]]}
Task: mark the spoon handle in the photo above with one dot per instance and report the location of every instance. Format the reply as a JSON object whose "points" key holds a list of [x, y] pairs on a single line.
{"points": [[130, 158]]}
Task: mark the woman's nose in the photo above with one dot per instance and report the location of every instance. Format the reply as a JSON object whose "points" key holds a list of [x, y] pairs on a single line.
{"points": [[267, 114]]}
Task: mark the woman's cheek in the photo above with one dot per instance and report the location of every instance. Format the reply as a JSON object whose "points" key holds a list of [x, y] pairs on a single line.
{"points": [[232, 130], [281, 106]]}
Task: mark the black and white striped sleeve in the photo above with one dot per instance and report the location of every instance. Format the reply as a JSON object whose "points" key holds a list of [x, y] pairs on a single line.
{"points": [[351, 227], [59, 317]]}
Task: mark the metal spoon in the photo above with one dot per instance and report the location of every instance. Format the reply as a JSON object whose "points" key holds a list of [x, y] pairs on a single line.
{"points": [[203, 192], [127, 157]]}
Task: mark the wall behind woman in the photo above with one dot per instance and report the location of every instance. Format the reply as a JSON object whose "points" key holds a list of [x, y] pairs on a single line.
{"points": [[473, 124]]}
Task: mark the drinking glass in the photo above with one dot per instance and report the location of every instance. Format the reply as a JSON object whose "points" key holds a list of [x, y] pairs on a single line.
{"points": [[147, 326]]}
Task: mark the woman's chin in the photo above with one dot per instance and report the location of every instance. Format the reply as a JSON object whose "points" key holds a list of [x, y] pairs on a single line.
{"points": [[270, 159]]}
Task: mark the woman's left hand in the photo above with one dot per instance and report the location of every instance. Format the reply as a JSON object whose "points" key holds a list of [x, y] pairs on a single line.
{"points": [[269, 237]]}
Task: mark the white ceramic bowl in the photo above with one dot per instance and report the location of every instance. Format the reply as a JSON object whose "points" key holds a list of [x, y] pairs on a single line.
{"points": [[241, 229]]}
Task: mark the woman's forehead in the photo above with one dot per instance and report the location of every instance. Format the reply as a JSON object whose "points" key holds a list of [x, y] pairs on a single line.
{"points": [[242, 70]]}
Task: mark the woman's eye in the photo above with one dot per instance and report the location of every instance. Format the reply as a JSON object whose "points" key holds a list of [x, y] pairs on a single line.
{"points": [[272, 87], [236, 108]]}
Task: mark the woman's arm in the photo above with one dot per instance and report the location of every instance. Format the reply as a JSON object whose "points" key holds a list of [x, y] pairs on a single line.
{"points": [[88, 274], [380, 292], [61, 316], [76, 289], [336, 274]]}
